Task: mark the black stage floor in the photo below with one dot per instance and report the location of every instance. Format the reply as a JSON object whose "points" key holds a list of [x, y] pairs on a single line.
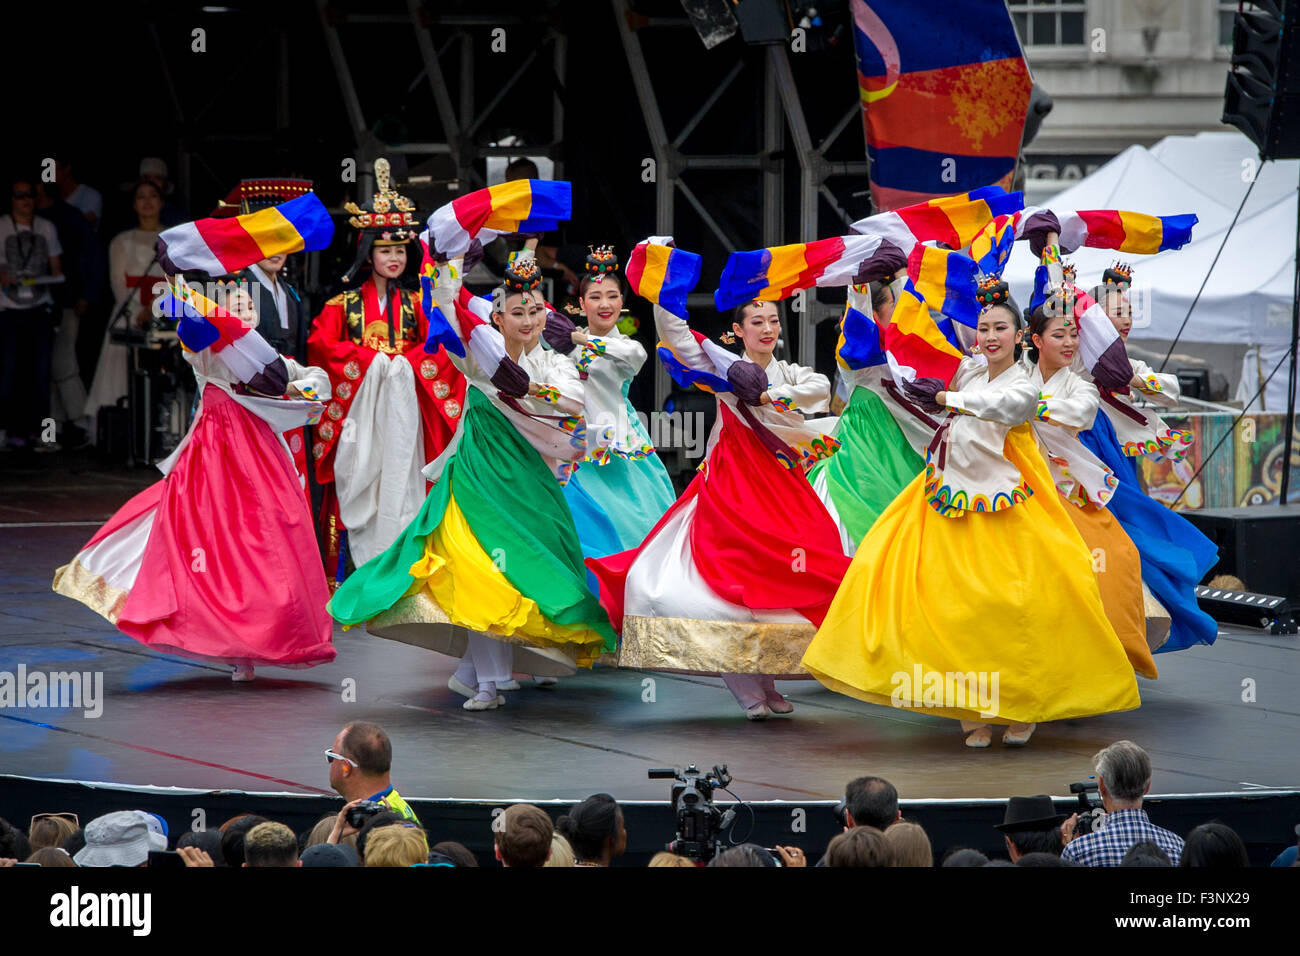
{"points": [[1221, 719]]}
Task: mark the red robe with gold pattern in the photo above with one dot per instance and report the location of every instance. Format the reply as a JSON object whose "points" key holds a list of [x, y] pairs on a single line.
{"points": [[372, 408]]}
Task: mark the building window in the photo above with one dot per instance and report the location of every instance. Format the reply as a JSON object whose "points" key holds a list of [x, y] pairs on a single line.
{"points": [[1058, 23], [1227, 13]]}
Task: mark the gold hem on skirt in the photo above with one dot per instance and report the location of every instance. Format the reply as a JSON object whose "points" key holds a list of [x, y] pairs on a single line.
{"points": [[420, 621], [715, 647], [78, 582]]}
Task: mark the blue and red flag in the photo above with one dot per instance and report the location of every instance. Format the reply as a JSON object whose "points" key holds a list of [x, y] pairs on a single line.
{"points": [[944, 90]]}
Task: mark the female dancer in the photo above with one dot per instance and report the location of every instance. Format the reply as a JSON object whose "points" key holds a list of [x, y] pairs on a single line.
{"points": [[727, 582], [975, 574], [218, 560], [1066, 404], [490, 570], [876, 460], [1175, 555], [621, 473]]}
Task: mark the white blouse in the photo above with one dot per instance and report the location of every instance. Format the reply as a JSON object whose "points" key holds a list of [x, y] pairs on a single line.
{"points": [[1067, 404], [965, 469]]}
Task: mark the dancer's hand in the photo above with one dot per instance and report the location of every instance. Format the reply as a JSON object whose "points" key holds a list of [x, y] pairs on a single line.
{"points": [[792, 856], [341, 826]]}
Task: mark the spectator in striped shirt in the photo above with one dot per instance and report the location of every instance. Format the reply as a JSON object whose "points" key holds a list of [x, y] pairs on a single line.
{"points": [[1123, 778]]}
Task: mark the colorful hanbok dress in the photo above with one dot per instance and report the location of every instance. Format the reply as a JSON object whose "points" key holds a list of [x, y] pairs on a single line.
{"points": [[973, 595], [877, 457], [218, 560], [1066, 404], [733, 578], [1176, 556], [493, 553]]}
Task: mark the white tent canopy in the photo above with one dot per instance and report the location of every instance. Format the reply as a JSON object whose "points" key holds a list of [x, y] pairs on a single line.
{"points": [[1248, 297]]}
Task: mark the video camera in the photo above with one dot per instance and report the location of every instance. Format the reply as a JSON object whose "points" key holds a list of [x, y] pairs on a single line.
{"points": [[700, 824], [1090, 815]]}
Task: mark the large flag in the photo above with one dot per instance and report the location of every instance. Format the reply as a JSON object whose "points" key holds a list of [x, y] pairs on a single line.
{"points": [[944, 90], [772, 274], [916, 344], [222, 246], [523, 205], [952, 220]]}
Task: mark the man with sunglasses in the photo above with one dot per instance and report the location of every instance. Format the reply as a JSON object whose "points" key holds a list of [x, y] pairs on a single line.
{"points": [[359, 762], [29, 250]]}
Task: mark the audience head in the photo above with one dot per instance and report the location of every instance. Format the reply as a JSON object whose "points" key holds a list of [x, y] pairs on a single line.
{"points": [[1123, 775], [523, 836], [51, 856], [664, 858], [74, 843], [147, 203], [1031, 825], [49, 829], [521, 168], [22, 199], [329, 854], [965, 857], [1146, 853], [871, 802], [1043, 859], [747, 854], [321, 830], [233, 835], [209, 841], [270, 845], [860, 846], [399, 844], [908, 845], [116, 839], [384, 818], [13, 842], [594, 828], [458, 853], [561, 852], [363, 758], [1214, 846]]}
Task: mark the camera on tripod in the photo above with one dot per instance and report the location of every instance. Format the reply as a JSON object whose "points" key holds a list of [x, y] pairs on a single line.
{"points": [[700, 823], [1090, 816]]}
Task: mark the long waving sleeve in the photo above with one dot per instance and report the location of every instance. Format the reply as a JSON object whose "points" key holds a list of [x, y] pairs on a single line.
{"points": [[626, 354], [1066, 399], [674, 332], [1159, 388], [1007, 399], [802, 388]]}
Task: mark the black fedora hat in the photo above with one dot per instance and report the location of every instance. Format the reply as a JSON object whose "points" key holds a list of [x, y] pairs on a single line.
{"points": [[1030, 813]]}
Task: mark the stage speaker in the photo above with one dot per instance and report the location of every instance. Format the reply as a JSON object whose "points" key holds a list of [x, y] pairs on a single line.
{"points": [[1262, 95], [1260, 545]]}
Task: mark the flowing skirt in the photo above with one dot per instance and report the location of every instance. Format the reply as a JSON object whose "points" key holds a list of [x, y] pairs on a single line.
{"points": [[493, 550], [992, 618], [1175, 555], [633, 493], [731, 576], [874, 463], [218, 560]]}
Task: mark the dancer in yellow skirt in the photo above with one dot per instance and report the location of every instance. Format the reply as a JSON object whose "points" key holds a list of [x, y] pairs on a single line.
{"points": [[973, 595], [1068, 403]]}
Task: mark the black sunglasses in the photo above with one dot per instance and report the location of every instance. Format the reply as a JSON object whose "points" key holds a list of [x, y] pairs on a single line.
{"points": [[24, 195]]}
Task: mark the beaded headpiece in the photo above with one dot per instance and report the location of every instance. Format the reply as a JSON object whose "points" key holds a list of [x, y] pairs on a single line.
{"points": [[991, 291], [601, 261], [522, 275], [254, 194], [1119, 273]]}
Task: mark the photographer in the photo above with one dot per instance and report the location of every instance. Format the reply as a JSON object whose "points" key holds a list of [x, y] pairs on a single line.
{"points": [[1031, 825], [359, 763], [1123, 778]]}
